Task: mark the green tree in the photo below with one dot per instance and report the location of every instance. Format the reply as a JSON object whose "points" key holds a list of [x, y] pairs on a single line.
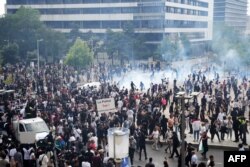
{"points": [[79, 55], [53, 46], [9, 53], [24, 28], [112, 44]]}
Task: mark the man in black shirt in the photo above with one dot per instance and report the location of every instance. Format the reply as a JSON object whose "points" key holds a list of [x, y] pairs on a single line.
{"points": [[142, 144], [150, 163]]}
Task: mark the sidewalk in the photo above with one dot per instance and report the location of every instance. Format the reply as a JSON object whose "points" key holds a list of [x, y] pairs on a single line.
{"points": [[226, 144]]}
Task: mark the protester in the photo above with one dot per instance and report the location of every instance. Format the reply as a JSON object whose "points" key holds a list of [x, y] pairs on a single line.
{"points": [[150, 163], [210, 162], [79, 131]]}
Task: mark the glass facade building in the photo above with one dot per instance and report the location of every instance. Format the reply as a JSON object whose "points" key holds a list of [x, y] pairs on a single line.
{"points": [[152, 17], [231, 12]]}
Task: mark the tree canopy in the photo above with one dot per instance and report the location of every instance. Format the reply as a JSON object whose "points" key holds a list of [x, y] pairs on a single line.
{"points": [[79, 55], [24, 29]]}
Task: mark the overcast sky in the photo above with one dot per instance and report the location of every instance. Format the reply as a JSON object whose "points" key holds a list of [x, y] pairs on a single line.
{"points": [[2, 2]]}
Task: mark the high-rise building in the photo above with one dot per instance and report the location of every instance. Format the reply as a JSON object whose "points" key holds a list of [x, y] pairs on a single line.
{"points": [[231, 12], [194, 18], [248, 26]]}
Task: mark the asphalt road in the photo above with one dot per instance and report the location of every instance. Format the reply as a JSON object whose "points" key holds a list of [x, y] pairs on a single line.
{"points": [[158, 157]]}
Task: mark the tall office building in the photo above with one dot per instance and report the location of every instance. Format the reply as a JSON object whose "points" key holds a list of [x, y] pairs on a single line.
{"points": [[248, 26], [231, 12], [194, 18]]}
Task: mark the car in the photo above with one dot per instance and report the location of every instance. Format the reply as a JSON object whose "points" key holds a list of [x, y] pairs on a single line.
{"points": [[94, 85]]}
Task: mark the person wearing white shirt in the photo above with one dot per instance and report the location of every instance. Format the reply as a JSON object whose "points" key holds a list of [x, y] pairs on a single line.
{"points": [[26, 156], [86, 164], [194, 159], [155, 136], [196, 129], [120, 104], [43, 159], [203, 128], [77, 132], [130, 115], [95, 139], [220, 116], [12, 152]]}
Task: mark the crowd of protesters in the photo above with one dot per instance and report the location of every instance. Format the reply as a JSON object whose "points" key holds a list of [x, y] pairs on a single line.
{"points": [[78, 133]]}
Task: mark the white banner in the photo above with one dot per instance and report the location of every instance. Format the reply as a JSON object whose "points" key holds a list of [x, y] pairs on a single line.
{"points": [[106, 105]]}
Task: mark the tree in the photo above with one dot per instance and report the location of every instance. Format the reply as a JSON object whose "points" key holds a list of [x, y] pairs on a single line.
{"points": [[54, 45], [24, 28], [169, 49], [112, 43], [141, 50], [79, 55], [9, 53]]}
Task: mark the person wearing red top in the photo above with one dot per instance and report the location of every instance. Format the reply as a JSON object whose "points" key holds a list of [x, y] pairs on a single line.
{"points": [[163, 103]]}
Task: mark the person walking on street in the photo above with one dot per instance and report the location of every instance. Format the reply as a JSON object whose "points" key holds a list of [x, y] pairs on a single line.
{"points": [[243, 130], [142, 145], [223, 127], [132, 147], [155, 136], [236, 125], [214, 130], [176, 144], [230, 127], [196, 129], [204, 139], [190, 149]]}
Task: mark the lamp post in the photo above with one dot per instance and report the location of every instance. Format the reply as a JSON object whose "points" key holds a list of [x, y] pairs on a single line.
{"points": [[118, 139], [38, 57], [182, 97]]}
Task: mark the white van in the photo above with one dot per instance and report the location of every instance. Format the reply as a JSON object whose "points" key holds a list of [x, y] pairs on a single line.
{"points": [[29, 131], [95, 85]]}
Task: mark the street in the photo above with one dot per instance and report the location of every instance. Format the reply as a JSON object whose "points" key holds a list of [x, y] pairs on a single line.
{"points": [[158, 157]]}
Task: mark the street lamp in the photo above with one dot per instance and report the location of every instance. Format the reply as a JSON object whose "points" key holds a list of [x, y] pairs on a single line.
{"points": [[118, 139], [38, 57], [182, 97]]}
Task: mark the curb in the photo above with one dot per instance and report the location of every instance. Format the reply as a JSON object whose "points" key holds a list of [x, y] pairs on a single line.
{"points": [[217, 146]]}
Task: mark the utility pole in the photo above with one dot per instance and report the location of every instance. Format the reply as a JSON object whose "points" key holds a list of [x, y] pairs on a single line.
{"points": [[181, 96]]}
